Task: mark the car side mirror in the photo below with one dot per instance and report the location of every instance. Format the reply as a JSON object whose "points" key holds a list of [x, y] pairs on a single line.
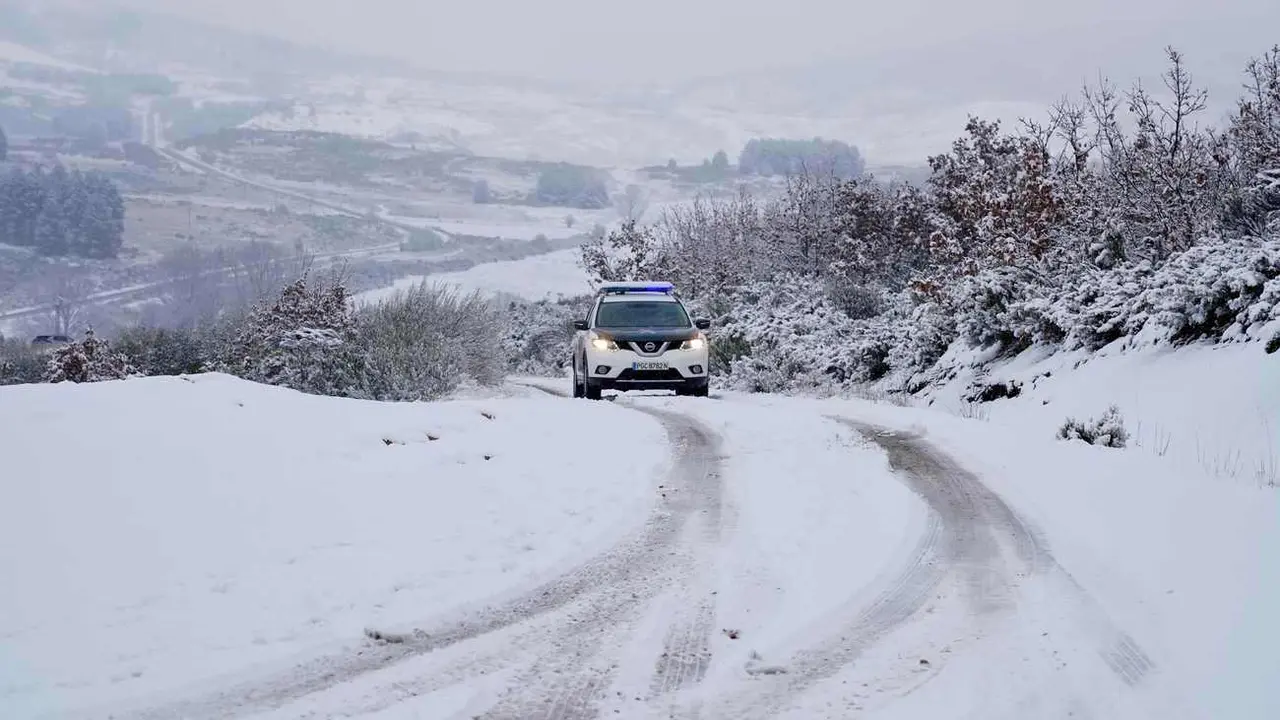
{"points": [[580, 325], [702, 323]]}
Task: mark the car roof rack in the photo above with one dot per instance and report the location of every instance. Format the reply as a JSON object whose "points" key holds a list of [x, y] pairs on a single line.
{"points": [[621, 288]]}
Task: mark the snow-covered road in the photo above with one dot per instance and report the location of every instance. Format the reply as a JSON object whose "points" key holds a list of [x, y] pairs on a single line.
{"points": [[532, 556]]}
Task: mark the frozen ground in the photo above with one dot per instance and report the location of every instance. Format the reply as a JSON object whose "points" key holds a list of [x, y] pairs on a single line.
{"points": [[654, 557], [551, 275]]}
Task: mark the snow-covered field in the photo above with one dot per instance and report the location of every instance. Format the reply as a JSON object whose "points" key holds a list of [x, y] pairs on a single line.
{"points": [[550, 275], [507, 121], [14, 53], [155, 533], [211, 548]]}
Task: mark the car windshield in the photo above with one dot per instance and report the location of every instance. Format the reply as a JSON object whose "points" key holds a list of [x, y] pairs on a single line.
{"points": [[642, 314]]}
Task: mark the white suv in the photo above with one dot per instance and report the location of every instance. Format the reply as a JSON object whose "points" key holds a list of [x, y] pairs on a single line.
{"points": [[639, 336]]}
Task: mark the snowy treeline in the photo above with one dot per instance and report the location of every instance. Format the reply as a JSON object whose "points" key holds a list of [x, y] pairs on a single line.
{"points": [[776, 156], [62, 213], [574, 186], [418, 345], [1121, 216]]}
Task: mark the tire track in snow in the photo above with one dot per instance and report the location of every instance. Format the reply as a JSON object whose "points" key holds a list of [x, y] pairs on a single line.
{"points": [[612, 586], [686, 650], [574, 676], [975, 549]]}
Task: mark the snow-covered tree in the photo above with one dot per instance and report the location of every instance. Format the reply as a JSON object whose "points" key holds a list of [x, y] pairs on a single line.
{"points": [[709, 247], [62, 213], [89, 360], [995, 200], [1161, 190], [160, 351], [632, 204], [307, 340], [1253, 144], [20, 363], [623, 254], [775, 156], [880, 237]]}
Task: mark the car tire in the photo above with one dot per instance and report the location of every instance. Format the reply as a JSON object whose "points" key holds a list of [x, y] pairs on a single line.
{"points": [[592, 392], [577, 385], [704, 391]]}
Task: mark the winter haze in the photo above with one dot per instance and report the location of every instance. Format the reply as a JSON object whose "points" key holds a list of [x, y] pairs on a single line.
{"points": [[669, 42], [963, 402]]}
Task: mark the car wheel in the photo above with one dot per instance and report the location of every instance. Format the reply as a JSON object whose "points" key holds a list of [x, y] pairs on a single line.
{"points": [[704, 391], [592, 393], [577, 386]]}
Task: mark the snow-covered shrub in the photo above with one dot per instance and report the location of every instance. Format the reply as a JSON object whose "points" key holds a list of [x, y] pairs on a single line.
{"points": [[928, 329], [160, 351], [537, 336], [1253, 146], [88, 360], [1221, 290], [20, 363], [857, 301], [1107, 431], [783, 334], [423, 342], [306, 340], [789, 334]]}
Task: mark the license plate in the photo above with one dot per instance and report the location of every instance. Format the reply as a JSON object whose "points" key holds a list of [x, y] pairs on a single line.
{"points": [[649, 366]]}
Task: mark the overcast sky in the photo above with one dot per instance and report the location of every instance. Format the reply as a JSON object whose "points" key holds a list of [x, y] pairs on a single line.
{"points": [[663, 41]]}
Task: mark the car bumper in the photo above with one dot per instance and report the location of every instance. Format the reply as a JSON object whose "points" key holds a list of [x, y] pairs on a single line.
{"points": [[629, 370]]}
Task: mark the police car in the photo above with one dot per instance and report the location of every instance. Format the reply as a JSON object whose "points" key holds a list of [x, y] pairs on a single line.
{"points": [[640, 336]]}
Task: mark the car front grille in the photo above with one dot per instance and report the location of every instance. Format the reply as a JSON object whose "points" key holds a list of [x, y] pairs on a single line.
{"points": [[638, 346], [650, 375]]}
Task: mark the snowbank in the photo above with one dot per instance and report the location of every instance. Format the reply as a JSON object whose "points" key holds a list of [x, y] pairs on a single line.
{"points": [[1212, 407], [154, 533]]}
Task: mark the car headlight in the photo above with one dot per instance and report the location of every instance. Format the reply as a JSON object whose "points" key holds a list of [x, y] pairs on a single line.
{"points": [[696, 343], [600, 343]]}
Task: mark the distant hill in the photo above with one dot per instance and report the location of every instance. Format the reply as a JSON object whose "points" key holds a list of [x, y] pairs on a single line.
{"points": [[108, 38]]}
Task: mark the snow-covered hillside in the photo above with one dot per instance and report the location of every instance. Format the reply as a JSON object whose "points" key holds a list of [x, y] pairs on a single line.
{"points": [[505, 121], [21, 54], [1216, 408], [553, 275]]}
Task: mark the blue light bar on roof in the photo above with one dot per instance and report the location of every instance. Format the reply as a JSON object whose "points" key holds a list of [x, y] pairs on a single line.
{"points": [[637, 287]]}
